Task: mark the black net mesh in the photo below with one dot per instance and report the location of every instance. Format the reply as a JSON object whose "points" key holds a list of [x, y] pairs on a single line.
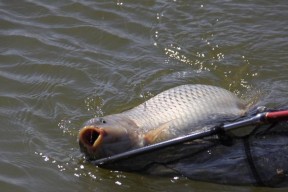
{"points": [[258, 158]]}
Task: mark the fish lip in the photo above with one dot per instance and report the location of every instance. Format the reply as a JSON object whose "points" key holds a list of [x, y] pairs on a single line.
{"points": [[91, 137]]}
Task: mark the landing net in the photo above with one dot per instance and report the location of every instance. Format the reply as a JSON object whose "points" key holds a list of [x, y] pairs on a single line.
{"points": [[258, 157]]}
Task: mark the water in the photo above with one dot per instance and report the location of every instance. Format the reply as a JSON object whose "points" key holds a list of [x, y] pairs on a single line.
{"points": [[63, 62]]}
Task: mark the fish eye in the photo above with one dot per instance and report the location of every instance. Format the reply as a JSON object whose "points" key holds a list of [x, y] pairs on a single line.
{"points": [[102, 121]]}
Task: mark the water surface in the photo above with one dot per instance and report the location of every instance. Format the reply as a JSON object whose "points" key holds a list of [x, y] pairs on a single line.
{"points": [[63, 62]]}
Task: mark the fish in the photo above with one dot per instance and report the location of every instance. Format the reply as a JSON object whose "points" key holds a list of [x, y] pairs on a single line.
{"points": [[175, 112]]}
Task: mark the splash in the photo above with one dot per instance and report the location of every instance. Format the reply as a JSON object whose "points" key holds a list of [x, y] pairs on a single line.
{"points": [[66, 126], [119, 3], [94, 104], [70, 166]]}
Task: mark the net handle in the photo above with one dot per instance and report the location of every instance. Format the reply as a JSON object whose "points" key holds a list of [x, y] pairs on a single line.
{"points": [[277, 116]]}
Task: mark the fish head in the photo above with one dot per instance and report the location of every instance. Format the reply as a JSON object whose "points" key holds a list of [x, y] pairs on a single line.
{"points": [[105, 136]]}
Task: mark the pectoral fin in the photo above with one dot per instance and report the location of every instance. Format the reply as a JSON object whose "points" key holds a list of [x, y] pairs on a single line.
{"points": [[158, 134]]}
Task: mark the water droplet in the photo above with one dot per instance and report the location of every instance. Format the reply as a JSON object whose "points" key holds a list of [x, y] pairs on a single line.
{"points": [[77, 175]]}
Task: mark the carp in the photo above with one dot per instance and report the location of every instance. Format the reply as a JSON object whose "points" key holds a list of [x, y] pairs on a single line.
{"points": [[175, 112]]}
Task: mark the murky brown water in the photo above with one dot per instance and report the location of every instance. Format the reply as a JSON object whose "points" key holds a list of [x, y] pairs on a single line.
{"points": [[63, 62]]}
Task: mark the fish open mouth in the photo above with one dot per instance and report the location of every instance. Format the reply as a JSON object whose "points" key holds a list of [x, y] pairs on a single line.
{"points": [[90, 137]]}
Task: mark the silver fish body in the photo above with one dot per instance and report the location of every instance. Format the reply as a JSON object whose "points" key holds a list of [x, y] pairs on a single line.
{"points": [[175, 112]]}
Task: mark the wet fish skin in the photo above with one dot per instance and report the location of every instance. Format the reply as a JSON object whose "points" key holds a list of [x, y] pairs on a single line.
{"points": [[112, 136], [172, 113]]}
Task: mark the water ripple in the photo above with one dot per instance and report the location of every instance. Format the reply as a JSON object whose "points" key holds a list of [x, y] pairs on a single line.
{"points": [[63, 62]]}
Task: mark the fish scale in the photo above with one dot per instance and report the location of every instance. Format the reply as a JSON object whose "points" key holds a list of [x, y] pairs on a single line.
{"points": [[186, 106]]}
